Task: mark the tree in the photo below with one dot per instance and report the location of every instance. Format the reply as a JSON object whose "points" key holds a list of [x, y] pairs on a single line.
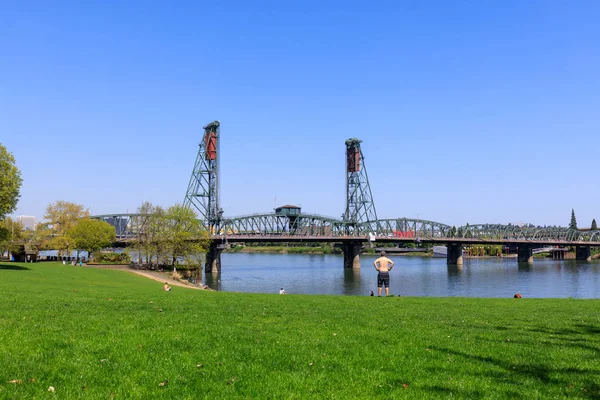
{"points": [[62, 216], [594, 226], [11, 233], [149, 228], [10, 183], [185, 236], [92, 235], [573, 224], [452, 232]]}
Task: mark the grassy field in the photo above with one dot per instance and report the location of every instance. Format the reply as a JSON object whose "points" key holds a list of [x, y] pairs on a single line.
{"points": [[102, 334]]}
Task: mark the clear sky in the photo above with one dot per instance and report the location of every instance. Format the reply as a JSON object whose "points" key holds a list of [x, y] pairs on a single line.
{"points": [[469, 111]]}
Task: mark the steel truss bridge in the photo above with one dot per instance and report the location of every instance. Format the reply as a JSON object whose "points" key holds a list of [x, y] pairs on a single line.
{"points": [[269, 226], [358, 224]]}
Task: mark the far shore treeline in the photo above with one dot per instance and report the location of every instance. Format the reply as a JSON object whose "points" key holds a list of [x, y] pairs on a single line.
{"points": [[164, 236]]}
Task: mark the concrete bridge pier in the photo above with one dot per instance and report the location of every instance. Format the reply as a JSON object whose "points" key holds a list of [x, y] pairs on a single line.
{"points": [[213, 258], [583, 253], [454, 255], [352, 254], [525, 254], [558, 254]]}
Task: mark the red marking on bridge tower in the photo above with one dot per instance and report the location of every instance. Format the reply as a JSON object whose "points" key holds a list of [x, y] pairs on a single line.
{"points": [[211, 145], [353, 159]]}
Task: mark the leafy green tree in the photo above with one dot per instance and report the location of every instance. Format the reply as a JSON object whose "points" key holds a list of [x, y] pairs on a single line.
{"points": [[185, 236], [11, 235], [92, 235], [10, 183], [62, 216], [150, 233], [594, 226], [573, 224], [452, 232], [141, 223]]}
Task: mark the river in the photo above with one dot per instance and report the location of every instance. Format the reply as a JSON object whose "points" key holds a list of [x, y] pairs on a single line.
{"points": [[412, 276]]}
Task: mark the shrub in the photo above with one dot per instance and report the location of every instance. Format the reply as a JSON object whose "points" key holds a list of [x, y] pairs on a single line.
{"points": [[112, 258]]}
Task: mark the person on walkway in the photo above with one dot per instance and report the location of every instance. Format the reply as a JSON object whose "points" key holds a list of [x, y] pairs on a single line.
{"points": [[282, 291], [166, 287], [383, 265]]}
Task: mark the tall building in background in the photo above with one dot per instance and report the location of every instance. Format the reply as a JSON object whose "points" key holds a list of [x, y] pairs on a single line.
{"points": [[28, 222]]}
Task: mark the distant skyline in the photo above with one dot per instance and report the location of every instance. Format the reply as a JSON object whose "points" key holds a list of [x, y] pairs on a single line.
{"points": [[469, 112]]}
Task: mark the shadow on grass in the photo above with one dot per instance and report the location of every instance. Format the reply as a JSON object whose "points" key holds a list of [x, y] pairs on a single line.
{"points": [[515, 373], [439, 390], [13, 267]]}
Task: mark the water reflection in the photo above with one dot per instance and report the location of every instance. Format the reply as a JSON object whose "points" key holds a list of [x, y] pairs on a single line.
{"points": [[213, 281], [454, 270], [351, 281], [412, 276]]}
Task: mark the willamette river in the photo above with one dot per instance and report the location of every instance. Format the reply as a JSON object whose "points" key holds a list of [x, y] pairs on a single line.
{"points": [[412, 276]]}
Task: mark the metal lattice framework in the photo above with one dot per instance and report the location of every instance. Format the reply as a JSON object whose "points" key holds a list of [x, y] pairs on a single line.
{"points": [[126, 225], [406, 228], [269, 224], [515, 232], [358, 221], [203, 189], [273, 224], [359, 199]]}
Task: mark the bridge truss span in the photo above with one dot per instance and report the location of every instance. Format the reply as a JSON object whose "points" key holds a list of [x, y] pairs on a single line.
{"points": [[273, 224], [530, 233], [405, 228]]}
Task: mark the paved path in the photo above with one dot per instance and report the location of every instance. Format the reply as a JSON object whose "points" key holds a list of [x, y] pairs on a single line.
{"points": [[154, 275]]}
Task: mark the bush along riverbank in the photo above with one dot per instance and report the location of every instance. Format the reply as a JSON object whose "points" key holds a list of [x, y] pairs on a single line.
{"points": [[91, 332]]}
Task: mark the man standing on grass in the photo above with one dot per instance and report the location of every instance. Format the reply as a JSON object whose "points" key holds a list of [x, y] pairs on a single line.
{"points": [[383, 265]]}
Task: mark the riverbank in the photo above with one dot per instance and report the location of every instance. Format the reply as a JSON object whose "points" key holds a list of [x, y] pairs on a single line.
{"points": [[311, 250], [285, 249], [102, 333], [154, 275]]}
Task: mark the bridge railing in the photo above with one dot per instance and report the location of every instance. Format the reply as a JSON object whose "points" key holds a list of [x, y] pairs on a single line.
{"points": [[128, 226]]}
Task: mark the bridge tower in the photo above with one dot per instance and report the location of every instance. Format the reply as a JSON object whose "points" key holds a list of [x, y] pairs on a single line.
{"points": [[203, 189], [360, 206]]}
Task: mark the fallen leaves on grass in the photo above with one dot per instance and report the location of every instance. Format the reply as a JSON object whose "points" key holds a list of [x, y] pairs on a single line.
{"points": [[200, 366], [31, 380], [51, 389], [405, 385], [16, 381], [103, 360], [231, 381], [164, 383]]}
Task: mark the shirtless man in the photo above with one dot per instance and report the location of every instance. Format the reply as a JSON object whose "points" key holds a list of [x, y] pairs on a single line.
{"points": [[166, 287], [383, 265]]}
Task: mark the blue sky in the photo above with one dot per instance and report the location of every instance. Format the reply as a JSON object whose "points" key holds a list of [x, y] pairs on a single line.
{"points": [[469, 111]]}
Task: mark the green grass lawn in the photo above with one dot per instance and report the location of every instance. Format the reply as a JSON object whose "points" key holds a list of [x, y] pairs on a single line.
{"points": [[103, 334]]}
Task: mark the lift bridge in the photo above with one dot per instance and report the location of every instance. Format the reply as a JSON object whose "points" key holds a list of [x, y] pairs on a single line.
{"points": [[359, 222]]}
